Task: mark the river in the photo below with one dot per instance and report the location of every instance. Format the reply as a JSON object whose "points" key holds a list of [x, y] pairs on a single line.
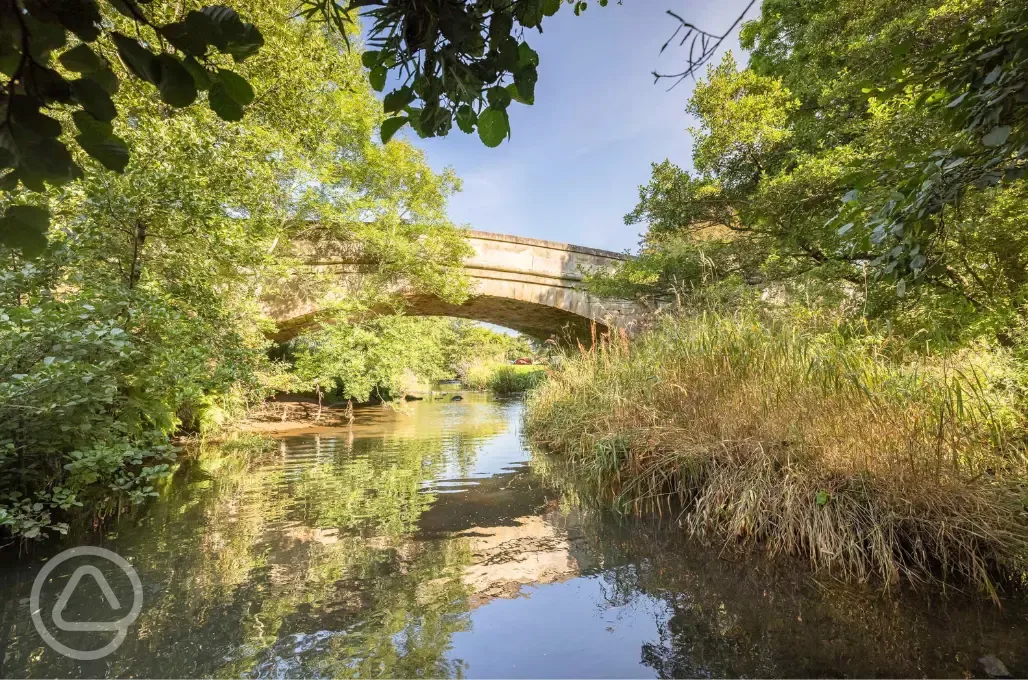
{"points": [[432, 541]]}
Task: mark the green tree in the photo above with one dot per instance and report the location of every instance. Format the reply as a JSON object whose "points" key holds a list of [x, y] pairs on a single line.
{"points": [[855, 101], [144, 314]]}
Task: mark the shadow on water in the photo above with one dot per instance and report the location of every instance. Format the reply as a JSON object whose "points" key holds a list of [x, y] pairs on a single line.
{"points": [[432, 542]]}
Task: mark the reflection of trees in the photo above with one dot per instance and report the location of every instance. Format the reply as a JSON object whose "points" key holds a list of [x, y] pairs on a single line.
{"points": [[734, 615], [320, 540]]}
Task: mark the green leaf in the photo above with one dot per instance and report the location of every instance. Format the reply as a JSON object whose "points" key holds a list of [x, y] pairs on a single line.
{"points": [[529, 13], [370, 58], [90, 126], [236, 86], [201, 76], [527, 56], [81, 17], [137, 59], [221, 26], [524, 81], [47, 83], [26, 115], [223, 103], [176, 84], [956, 102], [499, 97], [821, 497], [391, 125], [24, 227], [245, 42], [550, 7], [191, 42], [508, 52], [110, 150], [106, 79], [46, 37], [82, 59], [500, 25], [997, 136], [493, 127], [94, 98], [202, 26], [466, 119], [398, 99], [377, 78]]}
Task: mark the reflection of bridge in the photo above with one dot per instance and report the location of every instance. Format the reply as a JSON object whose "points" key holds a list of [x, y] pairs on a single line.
{"points": [[526, 284]]}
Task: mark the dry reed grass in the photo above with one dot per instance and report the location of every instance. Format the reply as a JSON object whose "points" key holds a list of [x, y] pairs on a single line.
{"points": [[803, 441]]}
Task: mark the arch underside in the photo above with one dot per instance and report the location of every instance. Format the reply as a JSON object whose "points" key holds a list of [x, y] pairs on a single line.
{"points": [[540, 321], [535, 319]]}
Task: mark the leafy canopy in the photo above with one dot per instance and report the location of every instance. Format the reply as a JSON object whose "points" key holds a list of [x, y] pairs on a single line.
{"points": [[58, 61], [871, 154]]}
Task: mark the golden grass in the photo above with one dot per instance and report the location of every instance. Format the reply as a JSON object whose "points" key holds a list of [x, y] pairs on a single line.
{"points": [[802, 441]]}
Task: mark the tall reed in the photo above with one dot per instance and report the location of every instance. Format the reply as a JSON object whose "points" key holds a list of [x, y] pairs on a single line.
{"points": [[804, 441]]}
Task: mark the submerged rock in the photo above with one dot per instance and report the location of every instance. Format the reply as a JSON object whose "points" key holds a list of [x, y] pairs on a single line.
{"points": [[456, 397]]}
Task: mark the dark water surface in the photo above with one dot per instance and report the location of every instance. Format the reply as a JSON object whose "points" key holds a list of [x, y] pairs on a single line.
{"points": [[433, 543]]}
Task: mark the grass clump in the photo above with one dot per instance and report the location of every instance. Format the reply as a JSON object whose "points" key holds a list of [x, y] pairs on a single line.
{"points": [[804, 441], [503, 378]]}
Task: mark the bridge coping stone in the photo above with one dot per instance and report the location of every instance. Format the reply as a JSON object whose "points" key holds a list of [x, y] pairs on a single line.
{"points": [[541, 243]]}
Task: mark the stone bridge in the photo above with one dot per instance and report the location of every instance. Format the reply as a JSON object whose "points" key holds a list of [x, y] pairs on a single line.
{"points": [[529, 285]]}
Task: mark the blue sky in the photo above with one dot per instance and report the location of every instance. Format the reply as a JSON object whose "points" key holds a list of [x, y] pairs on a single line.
{"points": [[572, 167]]}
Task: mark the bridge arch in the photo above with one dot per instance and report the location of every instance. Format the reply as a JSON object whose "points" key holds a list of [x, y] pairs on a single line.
{"points": [[530, 285]]}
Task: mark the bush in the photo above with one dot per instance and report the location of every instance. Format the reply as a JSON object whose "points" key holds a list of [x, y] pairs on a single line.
{"points": [[93, 383], [806, 441], [502, 378], [512, 379]]}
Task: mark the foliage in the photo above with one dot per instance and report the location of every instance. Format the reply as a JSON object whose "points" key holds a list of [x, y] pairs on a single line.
{"points": [[502, 378], [853, 100], [179, 53], [144, 318], [971, 76], [361, 359], [452, 59], [793, 434]]}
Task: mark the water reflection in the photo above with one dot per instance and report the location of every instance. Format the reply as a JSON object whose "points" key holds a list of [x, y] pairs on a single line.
{"points": [[430, 542]]}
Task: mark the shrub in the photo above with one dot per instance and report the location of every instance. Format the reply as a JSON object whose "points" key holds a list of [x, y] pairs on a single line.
{"points": [[502, 377]]}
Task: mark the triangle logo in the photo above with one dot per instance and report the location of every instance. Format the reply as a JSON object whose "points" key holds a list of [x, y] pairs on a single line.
{"points": [[62, 602]]}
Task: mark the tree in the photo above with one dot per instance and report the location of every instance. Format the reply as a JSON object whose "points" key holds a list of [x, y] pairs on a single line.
{"points": [[461, 61], [143, 316], [863, 102], [45, 76]]}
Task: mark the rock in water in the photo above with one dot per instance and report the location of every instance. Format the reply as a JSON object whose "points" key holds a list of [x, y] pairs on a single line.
{"points": [[994, 667], [457, 398]]}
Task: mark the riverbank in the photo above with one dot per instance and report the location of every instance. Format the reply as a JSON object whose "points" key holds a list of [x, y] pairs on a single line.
{"points": [[801, 441]]}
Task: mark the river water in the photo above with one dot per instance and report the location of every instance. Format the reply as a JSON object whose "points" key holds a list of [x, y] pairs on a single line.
{"points": [[433, 542]]}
